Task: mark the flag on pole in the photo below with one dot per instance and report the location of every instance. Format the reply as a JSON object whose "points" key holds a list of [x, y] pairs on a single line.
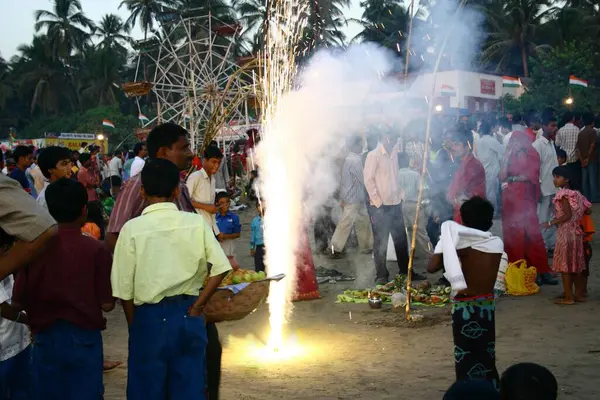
{"points": [[142, 117], [448, 90], [108, 123], [509, 81], [573, 80]]}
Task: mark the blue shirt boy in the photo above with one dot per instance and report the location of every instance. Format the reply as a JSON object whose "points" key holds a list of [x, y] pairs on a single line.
{"points": [[229, 223], [256, 233]]}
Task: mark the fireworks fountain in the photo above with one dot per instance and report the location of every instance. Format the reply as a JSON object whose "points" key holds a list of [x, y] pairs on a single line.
{"points": [[285, 22]]}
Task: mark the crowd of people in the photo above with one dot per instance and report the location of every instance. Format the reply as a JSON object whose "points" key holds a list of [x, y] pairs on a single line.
{"points": [[53, 227], [61, 231]]}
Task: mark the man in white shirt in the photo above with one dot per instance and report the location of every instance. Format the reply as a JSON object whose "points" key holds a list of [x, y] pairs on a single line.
{"points": [[138, 163], [490, 153], [517, 126], [115, 169], [548, 161], [202, 187], [566, 139]]}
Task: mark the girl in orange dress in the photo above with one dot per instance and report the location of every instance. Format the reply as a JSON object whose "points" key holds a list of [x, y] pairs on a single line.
{"points": [[569, 255]]}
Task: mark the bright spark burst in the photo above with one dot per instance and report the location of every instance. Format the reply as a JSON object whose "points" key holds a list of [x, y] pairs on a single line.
{"points": [[250, 350], [286, 21]]}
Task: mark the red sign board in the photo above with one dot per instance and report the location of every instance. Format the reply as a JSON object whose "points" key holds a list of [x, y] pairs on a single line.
{"points": [[488, 86]]}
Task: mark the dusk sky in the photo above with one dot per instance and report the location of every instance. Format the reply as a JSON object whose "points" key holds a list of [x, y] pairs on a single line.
{"points": [[17, 20]]}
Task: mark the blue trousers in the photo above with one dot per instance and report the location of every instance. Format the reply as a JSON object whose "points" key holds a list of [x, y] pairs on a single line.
{"points": [[67, 363], [589, 177], [15, 376], [167, 352]]}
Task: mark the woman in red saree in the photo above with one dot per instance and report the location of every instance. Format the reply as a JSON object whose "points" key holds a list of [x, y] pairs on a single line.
{"points": [[306, 279], [469, 179], [520, 177]]}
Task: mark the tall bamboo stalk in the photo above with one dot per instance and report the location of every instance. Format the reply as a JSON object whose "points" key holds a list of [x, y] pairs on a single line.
{"points": [[412, 6], [424, 164]]}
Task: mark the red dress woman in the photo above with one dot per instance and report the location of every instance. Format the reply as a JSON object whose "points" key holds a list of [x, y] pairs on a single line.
{"points": [[306, 280], [520, 177]]}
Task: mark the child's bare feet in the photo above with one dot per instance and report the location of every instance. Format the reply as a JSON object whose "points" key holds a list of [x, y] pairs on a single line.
{"points": [[564, 302], [580, 299]]}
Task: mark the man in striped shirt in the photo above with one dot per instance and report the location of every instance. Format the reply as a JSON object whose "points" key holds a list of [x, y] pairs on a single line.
{"points": [[352, 197], [168, 141], [566, 139]]}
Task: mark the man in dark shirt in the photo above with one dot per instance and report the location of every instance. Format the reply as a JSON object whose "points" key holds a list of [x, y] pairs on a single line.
{"points": [[64, 292], [23, 156], [586, 149]]}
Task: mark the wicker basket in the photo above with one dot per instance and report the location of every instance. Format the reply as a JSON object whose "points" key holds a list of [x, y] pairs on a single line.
{"points": [[226, 306]]}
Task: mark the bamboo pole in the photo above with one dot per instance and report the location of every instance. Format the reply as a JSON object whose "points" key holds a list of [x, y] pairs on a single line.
{"points": [[424, 165], [412, 6]]}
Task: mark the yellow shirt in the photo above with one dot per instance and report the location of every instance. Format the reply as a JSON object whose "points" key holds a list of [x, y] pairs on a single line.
{"points": [[163, 253]]}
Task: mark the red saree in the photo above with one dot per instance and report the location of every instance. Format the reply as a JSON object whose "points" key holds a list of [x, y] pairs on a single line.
{"points": [[468, 181], [306, 280], [520, 226]]}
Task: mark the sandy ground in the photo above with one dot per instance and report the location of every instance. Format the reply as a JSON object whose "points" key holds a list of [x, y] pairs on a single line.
{"points": [[351, 352]]}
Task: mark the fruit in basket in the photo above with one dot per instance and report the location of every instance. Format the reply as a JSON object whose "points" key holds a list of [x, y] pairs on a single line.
{"points": [[247, 278], [236, 279], [262, 275]]}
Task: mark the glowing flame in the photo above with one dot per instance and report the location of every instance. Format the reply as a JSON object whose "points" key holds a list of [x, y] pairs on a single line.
{"points": [[257, 353]]}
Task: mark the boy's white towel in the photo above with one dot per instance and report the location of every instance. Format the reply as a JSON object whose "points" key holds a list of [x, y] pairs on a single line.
{"points": [[455, 237]]}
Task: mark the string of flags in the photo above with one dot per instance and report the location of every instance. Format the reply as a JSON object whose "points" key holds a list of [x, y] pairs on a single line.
{"points": [[142, 117], [108, 124]]}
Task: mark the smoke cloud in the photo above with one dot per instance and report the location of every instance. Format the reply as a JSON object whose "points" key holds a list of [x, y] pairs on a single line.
{"points": [[339, 94]]}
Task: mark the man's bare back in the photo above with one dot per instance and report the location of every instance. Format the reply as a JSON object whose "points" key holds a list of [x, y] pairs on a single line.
{"points": [[479, 269]]}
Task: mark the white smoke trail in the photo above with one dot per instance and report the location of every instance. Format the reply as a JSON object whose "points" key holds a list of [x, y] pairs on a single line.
{"points": [[338, 95]]}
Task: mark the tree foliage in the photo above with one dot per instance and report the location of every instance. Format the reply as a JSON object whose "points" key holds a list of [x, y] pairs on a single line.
{"points": [[549, 85], [69, 76]]}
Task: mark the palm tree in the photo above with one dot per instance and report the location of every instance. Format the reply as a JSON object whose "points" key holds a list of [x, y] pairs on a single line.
{"points": [[514, 31], [101, 75], [113, 33], [145, 12], [253, 15], [6, 89], [384, 22], [65, 27], [41, 76], [326, 22]]}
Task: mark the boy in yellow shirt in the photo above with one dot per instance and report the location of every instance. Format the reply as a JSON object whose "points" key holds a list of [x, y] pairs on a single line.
{"points": [[160, 263]]}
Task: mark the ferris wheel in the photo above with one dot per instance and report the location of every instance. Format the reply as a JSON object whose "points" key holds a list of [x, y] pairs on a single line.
{"points": [[190, 67]]}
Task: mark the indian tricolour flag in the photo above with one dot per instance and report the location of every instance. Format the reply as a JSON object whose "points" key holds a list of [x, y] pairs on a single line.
{"points": [[108, 123], [509, 81], [142, 117], [448, 90], [573, 80]]}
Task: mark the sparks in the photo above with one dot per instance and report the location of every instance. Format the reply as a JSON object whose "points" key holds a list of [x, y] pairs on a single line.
{"points": [[286, 21]]}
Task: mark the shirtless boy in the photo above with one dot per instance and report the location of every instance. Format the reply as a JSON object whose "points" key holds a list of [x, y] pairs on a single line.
{"points": [[473, 308]]}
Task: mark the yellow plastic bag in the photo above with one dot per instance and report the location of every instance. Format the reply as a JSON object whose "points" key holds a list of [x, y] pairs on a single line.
{"points": [[520, 279]]}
